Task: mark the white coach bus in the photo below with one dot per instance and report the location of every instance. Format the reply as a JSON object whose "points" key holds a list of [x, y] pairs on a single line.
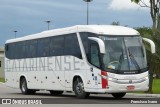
{"points": [[85, 59]]}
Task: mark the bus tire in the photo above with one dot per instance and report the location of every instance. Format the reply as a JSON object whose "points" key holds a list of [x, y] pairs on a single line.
{"points": [[79, 89], [118, 95], [56, 92], [24, 88]]}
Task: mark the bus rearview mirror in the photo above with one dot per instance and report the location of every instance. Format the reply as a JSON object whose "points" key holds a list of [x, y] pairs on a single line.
{"points": [[100, 43], [151, 44]]}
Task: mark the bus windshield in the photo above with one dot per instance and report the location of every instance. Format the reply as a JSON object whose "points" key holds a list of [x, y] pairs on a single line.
{"points": [[124, 53]]}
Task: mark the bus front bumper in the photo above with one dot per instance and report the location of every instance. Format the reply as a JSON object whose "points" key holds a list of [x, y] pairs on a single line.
{"points": [[114, 87]]}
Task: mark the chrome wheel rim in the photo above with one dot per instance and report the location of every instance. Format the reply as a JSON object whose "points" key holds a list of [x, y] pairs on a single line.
{"points": [[23, 87], [80, 88]]}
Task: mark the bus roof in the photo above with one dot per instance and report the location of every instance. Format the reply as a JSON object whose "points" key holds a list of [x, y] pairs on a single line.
{"points": [[97, 29]]}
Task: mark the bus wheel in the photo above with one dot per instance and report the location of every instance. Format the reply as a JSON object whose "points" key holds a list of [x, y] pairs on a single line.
{"points": [[118, 95], [56, 92], [79, 89], [24, 88]]}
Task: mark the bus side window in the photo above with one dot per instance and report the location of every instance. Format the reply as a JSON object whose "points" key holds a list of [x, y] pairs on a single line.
{"points": [[12, 51], [20, 50], [31, 49], [7, 50], [71, 46], [6, 47], [43, 48], [56, 46]]}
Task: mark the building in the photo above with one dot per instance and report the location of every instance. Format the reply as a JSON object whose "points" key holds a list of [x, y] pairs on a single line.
{"points": [[2, 63]]}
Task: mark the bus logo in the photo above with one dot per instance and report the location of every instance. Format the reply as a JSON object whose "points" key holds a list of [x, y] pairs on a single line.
{"points": [[6, 101]]}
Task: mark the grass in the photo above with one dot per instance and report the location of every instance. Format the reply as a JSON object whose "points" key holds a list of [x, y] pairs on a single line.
{"points": [[2, 80], [156, 86]]}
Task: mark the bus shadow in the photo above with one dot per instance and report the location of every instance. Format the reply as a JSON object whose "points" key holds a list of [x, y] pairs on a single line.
{"points": [[72, 99], [72, 96]]}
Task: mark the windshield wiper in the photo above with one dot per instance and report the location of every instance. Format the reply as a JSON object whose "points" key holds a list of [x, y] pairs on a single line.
{"points": [[120, 60], [133, 60]]}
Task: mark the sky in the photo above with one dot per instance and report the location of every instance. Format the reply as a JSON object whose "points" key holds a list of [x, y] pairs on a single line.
{"points": [[29, 16]]}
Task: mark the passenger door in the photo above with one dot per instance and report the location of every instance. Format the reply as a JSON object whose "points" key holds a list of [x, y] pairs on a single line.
{"points": [[94, 54], [94, 59]]}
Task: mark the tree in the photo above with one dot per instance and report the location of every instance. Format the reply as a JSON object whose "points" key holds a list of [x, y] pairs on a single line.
{"points": [[115, 23], [154, 11], [155, 15]]}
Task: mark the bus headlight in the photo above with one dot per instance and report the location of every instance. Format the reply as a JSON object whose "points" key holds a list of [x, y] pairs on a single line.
{"points": [[110, 79], [146, 78], [107, 78]]}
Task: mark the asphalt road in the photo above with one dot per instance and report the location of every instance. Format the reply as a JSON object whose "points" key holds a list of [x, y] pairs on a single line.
{"points": [[69, 98]]}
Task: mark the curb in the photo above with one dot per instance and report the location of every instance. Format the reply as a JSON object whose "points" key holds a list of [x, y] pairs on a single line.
{"points": [[144, 95]]}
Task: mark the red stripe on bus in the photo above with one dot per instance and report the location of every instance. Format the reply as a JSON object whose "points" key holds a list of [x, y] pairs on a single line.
{"points": [[104, 81]]}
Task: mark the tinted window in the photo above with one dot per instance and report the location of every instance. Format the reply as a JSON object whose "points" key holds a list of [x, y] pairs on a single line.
{"points": [[86, 42], [31, 47], [7, 50], [43, 47], [57, 46], [12, 50], [20, 50], [94, 55], [84, 37], [72, 46]]}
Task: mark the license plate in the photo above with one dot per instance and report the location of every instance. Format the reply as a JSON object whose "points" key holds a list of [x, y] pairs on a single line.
{"points": [[130, 87]]}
